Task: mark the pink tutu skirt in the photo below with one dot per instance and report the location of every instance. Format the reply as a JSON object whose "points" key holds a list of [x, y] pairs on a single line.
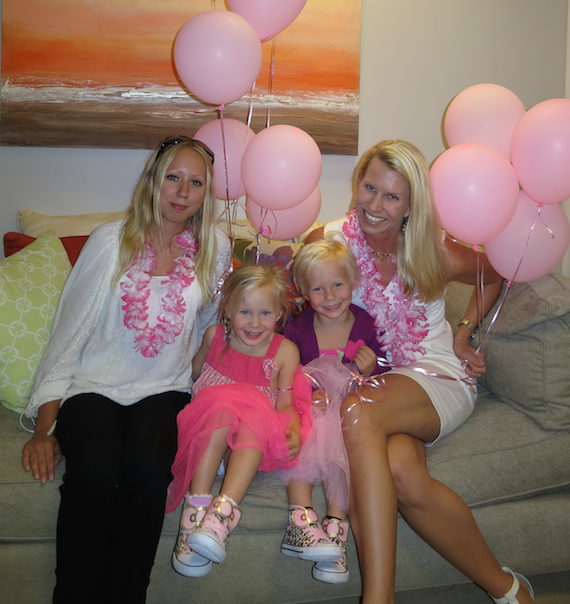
{"points": [[323, 456], [253, 424]]}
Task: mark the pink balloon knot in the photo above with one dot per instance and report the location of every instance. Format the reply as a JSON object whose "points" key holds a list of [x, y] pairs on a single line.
{"points": [[222, 107], [265, 231]]}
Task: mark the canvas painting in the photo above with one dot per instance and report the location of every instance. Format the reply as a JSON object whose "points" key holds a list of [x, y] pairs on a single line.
{"points": [[86, 73]]}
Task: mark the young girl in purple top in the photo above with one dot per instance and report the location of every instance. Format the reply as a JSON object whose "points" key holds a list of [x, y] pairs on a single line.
{"points": [[330, 334]]}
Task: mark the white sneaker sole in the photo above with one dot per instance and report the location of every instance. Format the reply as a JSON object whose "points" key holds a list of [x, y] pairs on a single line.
{"points": [[319, 553], [191, 571], [207, 545], [330, 577]]}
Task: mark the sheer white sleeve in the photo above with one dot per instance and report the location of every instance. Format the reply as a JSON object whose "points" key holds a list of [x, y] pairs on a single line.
{"points": [[84, 296]]}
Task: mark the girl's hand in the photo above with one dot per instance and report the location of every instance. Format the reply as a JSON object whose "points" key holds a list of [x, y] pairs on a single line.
{"points": [[41, 455], [365, 360], [319, 400], [472, 361], [293, 442]]}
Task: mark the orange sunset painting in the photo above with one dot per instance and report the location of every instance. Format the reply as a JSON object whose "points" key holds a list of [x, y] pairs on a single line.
{"points": [[100, 73]]}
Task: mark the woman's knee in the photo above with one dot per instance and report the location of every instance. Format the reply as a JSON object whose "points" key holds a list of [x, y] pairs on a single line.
{"points": [[406, 456]]}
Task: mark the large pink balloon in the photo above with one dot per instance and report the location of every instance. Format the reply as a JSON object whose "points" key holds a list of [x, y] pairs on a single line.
{"points": [[540, 151], [217, 55], [268, 17], [476, 190], [547, 231], [281, 167], [286, 224], [486, 114], [227, 165]]}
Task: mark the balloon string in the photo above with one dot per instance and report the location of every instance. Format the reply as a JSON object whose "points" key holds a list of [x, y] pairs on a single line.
{"points": [[224, 147], [250, 106], [271, 74]]}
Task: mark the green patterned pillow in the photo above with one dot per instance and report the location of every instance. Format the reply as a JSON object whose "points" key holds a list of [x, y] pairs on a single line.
{"points": [[31, 282]]}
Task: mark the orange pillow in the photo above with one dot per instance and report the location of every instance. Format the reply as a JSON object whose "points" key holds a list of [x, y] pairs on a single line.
{"points": [[14, 242]]}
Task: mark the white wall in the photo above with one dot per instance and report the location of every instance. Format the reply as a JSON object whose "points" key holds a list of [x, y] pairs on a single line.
{"points": [[416, 56]]}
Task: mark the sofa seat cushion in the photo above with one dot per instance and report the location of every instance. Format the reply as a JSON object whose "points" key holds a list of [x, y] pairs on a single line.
{"points": [[501, 455], [498, 455]]}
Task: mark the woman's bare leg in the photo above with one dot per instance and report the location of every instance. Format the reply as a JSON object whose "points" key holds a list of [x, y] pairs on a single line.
{"points": [[403, 406], [442, 519]]}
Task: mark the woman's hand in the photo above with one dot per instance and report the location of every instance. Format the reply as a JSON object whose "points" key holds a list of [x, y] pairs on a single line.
{"points": [[41, 455], [472, 361]]}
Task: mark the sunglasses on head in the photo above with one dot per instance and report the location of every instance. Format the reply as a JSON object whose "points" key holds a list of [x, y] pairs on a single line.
{"points": [[175, 140]]}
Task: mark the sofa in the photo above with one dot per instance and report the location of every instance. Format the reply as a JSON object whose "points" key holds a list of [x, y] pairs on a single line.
{"points": [[510, 462]]}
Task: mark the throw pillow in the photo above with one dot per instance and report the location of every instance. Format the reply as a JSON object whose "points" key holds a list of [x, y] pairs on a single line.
{"points": [[34, 224], [528, 357], [31, 282], [14, 242]]}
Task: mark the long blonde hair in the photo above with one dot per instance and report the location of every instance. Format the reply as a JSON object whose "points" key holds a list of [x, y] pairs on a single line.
{"points": [[421, 250], [144, 220]]}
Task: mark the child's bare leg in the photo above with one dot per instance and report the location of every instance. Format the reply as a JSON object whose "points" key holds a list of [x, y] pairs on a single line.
{"points": [[241, 469], [207, 469], [300, 493], [333, 510]]}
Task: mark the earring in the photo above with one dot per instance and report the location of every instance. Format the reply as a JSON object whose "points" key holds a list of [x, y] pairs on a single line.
{"points": [[404, 224]]}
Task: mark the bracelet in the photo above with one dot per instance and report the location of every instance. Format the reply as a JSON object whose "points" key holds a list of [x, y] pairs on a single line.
{"points": [[285, 389], [472, 328]]}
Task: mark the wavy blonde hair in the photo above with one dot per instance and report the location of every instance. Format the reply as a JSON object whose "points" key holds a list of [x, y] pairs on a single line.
{"points": [[144, 219], [314, 254], [421, 249]]}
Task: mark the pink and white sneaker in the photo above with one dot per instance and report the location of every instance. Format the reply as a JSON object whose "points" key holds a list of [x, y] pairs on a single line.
{"points": [[304, 537], [337, 571], [185, 561], [210, 538]]}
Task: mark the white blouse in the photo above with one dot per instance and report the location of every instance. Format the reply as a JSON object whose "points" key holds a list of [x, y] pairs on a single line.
{"points": [[91, 350]]}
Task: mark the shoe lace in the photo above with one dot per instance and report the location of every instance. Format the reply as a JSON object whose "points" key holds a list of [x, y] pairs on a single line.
{"points": [[219, 527]]}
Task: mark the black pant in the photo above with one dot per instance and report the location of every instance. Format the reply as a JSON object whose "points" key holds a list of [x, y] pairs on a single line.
{"points": [[113, 495]]}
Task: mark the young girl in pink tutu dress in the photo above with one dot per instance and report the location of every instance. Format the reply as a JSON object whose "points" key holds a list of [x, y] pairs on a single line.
{"points": [[331, 333], [242, 404]]}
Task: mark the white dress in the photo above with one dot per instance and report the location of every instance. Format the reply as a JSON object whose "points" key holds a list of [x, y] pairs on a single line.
{"points": [[91, 350], [453, 400]]}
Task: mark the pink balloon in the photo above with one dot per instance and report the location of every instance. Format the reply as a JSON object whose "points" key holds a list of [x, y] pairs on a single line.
{"points": [[540, 151], [537, 235], [227, 166], [281, 166], [268, 17], [476, 191], [286, 224], [217, 55], [486, 114]]}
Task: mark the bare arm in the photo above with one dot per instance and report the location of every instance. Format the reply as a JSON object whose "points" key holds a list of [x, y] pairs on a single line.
{"points": [[463, 266], [287, 360], [41, 454], [200, 357]]}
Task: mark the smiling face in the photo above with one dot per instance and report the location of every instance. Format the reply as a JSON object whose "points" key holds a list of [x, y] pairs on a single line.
{"points": [[329, 290], [254, 320], [382, 200], [183, 189]]}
